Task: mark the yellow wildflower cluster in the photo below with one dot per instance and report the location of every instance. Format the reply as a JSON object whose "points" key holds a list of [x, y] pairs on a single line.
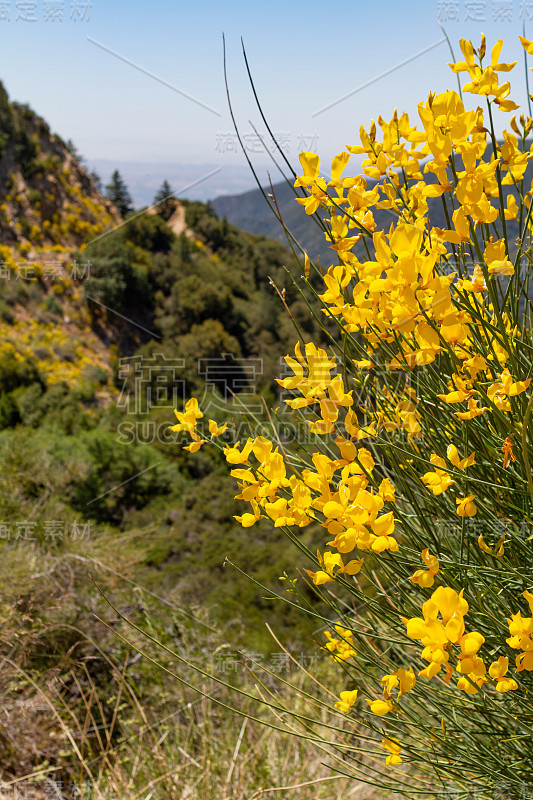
{"points": [[337, 492], [485, 80], [349, 510], [187, 422], [442, 308], [58, 355], [439, 635], [341, 646], [403, 680], [521, 630], [397, 297]]}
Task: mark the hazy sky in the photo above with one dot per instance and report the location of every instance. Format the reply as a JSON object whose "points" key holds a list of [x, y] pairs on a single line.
{"points": [[56, 56]]}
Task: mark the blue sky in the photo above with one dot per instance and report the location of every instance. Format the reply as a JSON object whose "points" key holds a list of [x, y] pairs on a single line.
{"points": [[303, 58]]}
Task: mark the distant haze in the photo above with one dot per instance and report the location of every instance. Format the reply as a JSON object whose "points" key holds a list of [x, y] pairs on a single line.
{"points": [[144, 178]]}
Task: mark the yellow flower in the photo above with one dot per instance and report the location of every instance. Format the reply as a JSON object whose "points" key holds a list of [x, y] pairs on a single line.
{"points": [[527, 45], [426, 578], [511, 210], [402, 678], [498, 549], [187, 419], [236, 456], [483, 80], [498, 671], [438, 634], [461, 226], [461, 463], [311, 179], [330, 561], [347, 701], [380, 707], [341, 649], [469, 65], [216, 430], [462, 391], [521, 630], [506, 387], [194, 446], [471, 684], [394, 748], [496, 258], [439, 480], [507, 451], [477, 284], [465, 506], [247, 520]]}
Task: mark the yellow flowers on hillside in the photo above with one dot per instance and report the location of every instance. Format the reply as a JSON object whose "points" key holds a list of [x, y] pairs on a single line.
{"points": [[416, 408]]}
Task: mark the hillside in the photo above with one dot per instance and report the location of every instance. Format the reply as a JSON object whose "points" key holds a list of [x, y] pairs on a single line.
{"points": [[106, 326], [48, 203], [250, 212]]}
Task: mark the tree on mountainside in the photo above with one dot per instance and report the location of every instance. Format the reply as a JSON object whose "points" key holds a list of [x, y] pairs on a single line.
{"points": [[165, 201], [117, 193]]}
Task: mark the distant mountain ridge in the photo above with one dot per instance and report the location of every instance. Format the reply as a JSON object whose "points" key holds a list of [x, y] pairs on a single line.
{"points": [[250, 212]]}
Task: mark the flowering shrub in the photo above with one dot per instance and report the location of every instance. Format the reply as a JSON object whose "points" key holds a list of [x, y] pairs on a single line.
{"points": [[419, 471]]}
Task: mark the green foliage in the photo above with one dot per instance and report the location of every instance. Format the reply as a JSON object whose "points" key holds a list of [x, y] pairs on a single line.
{"points": [[9, 411], [209, 340], [15, 371], [96, 179], [6, 121], [27, 401], [72, 453], [20, 129], [35, 196], [150, 233], [119, 477], [198, 534], [5, 312], [114, 280], [195, 300], [73, 150], [52, 305]]}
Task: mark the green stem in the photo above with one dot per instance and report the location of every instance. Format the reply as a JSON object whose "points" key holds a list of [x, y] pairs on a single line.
{"points": [[524, 445]]}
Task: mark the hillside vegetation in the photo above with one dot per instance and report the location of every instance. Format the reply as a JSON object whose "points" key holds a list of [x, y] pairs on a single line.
{"points": [[106, 325]]}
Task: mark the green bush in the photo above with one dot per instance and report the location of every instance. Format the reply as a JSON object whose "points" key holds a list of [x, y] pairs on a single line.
{"points": [[119, 477], [9, 411]]}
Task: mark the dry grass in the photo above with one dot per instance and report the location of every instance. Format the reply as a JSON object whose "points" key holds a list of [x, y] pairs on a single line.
{"points": [[84, 715]]}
